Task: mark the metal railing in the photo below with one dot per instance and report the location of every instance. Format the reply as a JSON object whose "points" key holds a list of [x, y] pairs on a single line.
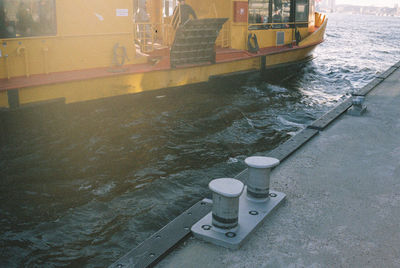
{"points": [[224, 37], [275, 25], [176, 18], [144, 35]]}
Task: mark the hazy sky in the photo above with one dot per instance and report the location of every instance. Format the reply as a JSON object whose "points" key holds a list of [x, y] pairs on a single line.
{"points": [[387, 3]]}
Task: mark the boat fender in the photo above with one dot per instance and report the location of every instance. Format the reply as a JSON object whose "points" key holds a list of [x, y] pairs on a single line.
{"points": [[298, 37], [252, 43], [119, 58]]}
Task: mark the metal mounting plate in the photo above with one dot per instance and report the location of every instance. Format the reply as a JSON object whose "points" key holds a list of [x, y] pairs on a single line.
{"points": [[251, 215]]}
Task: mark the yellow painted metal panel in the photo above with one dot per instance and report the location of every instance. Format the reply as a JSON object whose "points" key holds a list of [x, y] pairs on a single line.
{"points": [[47, 55], [317, 36], [3, 100], [87, 33], [134, 83], [76, 17], [290, 56], [3, 67], [212, 8], [80, 91], [239, 38], [267, 38], [129, 84]]}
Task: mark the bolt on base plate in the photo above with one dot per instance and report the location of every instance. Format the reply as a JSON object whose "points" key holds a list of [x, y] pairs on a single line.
{"points": [[251, 214]]}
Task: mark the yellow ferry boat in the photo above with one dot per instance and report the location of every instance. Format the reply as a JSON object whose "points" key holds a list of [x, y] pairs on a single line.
{"points": [[80, 50]]}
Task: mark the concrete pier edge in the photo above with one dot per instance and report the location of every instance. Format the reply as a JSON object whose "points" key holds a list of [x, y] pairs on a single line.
{"points": [[282, 152]]}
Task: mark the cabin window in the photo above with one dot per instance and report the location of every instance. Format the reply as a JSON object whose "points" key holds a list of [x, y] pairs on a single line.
{"points": [[277, 14], [259, 13], [301, 10], [264, 12], [281, 13], [26, 18]]}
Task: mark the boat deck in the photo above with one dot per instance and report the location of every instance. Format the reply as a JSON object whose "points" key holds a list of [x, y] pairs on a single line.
{"points": [[158, 61]]}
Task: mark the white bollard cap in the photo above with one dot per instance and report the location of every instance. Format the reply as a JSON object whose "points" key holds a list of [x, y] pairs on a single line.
{"points": [[226, 187], [261, 162]]}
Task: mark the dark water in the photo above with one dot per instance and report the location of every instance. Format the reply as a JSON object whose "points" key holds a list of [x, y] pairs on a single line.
{"points": [[82, 184]]}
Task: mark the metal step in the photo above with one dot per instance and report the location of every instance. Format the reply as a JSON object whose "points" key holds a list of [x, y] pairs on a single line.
{"points": [[195, 42]]}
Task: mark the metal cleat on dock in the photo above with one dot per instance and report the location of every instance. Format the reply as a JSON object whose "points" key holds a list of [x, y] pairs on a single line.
{"points": [[238, 210], [358, 108], [259, 177], [226, 193]]}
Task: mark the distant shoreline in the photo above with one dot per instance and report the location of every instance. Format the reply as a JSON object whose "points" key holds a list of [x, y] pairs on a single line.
{"points": [[362, 10]]}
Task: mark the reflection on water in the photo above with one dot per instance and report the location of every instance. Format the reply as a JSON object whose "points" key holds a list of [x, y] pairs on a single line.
{"points": [[84, 183]]}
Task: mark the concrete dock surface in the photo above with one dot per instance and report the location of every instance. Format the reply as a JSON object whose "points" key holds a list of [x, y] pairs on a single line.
{"points": [[343, 199]]}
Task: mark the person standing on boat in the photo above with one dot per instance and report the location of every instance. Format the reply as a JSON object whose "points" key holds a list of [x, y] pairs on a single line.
{"points": [[277, 18], [185, 11]]}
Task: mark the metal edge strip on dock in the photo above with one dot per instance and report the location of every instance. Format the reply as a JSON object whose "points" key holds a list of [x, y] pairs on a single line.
{"points": [[370, 86], [374, 83], [162, 242], [284, 150], [329, 117], [388, 72]]}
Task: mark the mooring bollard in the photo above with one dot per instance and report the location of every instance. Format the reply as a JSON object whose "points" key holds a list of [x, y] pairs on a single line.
{"points": [[234, 215], [225, 210], [259, 176], [358, 107]]}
